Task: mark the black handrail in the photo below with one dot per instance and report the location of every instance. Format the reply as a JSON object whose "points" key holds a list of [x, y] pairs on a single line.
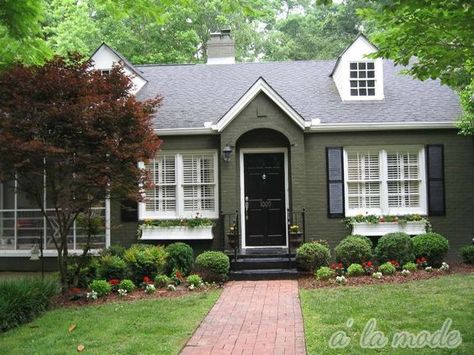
{"points": [[231, 231]]}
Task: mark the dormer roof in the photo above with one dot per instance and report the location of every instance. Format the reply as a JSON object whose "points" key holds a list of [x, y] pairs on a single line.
{"points": [[361, 37]]}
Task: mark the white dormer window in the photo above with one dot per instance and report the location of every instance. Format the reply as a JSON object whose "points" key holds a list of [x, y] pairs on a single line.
{"points": [[357, 76], [362, 78]]}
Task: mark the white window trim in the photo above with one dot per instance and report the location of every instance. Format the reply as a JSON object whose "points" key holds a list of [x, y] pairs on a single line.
{"points": [[384, 208], [180, 213]]}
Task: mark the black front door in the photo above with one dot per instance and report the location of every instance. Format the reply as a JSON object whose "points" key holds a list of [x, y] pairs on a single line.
{"points": [[264, 181]]}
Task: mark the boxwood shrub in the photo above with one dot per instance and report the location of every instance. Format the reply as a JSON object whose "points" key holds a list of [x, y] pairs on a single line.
{"points": [[212, 266], [355, 270], [353, 249], [180, 258], [387, 269], [311, 256], [395, 246], [127, 285], [325, 273], [22, 300], [467, 254], [145, 260], [102, 287], [432, 246]]}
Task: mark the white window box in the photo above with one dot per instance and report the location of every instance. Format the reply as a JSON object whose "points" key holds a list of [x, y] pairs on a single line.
{"points": [[176, 233], [381, 228]]}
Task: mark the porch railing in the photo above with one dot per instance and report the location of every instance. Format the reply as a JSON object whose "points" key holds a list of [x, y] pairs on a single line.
{"points": [[231, 231], [296, 218]]}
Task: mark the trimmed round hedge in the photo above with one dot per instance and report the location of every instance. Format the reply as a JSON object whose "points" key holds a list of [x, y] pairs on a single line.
{"points": [[212, 266], [395, 246], [180, 257], [432, 246], [467, 254], [353, 249], [311, 256]]}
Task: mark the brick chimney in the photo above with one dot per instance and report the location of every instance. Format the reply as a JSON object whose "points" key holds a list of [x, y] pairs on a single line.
{"points": [[221, 48]]}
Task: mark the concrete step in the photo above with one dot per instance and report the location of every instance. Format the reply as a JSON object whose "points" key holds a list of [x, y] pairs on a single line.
{"points": [[244, 263], [266, 274]]}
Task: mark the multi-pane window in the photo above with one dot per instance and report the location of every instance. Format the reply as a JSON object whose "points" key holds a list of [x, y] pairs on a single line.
{"points": [[22, 223], [183, 185], [362, 78], [384, 181]]}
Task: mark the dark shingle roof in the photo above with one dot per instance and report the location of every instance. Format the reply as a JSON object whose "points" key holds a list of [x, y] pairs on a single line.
{"points": [[194, 94]]}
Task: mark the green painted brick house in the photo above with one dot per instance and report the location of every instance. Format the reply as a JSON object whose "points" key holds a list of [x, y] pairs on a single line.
{"points": [[256, 144]]}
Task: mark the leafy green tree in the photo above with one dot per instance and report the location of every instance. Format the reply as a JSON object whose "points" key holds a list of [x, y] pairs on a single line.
{"points": [[434, 39], [314, 30]]}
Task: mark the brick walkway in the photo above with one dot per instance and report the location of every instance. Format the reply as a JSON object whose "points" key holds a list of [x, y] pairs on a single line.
{"points": [[252, 317]]}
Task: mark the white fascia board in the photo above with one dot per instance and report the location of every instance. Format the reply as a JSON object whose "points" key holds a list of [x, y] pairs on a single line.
{"points": [[185, 131], [348, 127], [259, 86]]}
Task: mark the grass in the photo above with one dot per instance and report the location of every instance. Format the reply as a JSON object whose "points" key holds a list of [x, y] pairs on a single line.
{"points": [[412, 307], [159, 326]]}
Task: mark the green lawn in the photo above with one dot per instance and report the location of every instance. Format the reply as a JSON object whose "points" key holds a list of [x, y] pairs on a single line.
{"points": [[411, 307], [159, 326]]}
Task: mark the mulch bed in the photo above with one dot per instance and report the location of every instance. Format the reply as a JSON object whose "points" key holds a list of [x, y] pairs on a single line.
{"points": [[308, 281], [67, 300]]}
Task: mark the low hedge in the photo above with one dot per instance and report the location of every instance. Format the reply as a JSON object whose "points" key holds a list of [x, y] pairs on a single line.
{"points": [[467, 254], [311, 256], [212, 266], [22, 300], [395, 246], [353, 249], [432, 246]]}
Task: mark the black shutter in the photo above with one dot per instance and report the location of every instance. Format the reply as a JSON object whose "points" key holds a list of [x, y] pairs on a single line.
{"points": [[335, 177], [128, 210], [435, 179]]}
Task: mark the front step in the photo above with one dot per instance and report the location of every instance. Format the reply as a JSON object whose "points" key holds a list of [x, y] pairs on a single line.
{"points": [[263, 264], [264, 274], [260, 263]]}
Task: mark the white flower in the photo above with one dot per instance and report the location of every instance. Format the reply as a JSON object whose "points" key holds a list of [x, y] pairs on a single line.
{"points": [[150, 288], [428, 269], [122, 292], [405, 272], [444, 267], [191, 287], [341, 279], [171, 287], [91, 295], [377, 275]]}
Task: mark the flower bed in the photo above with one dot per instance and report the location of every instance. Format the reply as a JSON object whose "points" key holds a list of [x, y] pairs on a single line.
{"points": [[309, 281]]}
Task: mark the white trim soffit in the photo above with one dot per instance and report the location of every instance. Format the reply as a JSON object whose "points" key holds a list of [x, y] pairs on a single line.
{"points": [[315, 126]]}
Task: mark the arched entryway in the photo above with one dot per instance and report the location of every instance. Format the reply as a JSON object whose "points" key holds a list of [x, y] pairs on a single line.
{"points": [[264, 188]]}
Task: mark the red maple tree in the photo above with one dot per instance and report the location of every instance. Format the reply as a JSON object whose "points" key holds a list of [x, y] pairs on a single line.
{"points": [[77, 133]]}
